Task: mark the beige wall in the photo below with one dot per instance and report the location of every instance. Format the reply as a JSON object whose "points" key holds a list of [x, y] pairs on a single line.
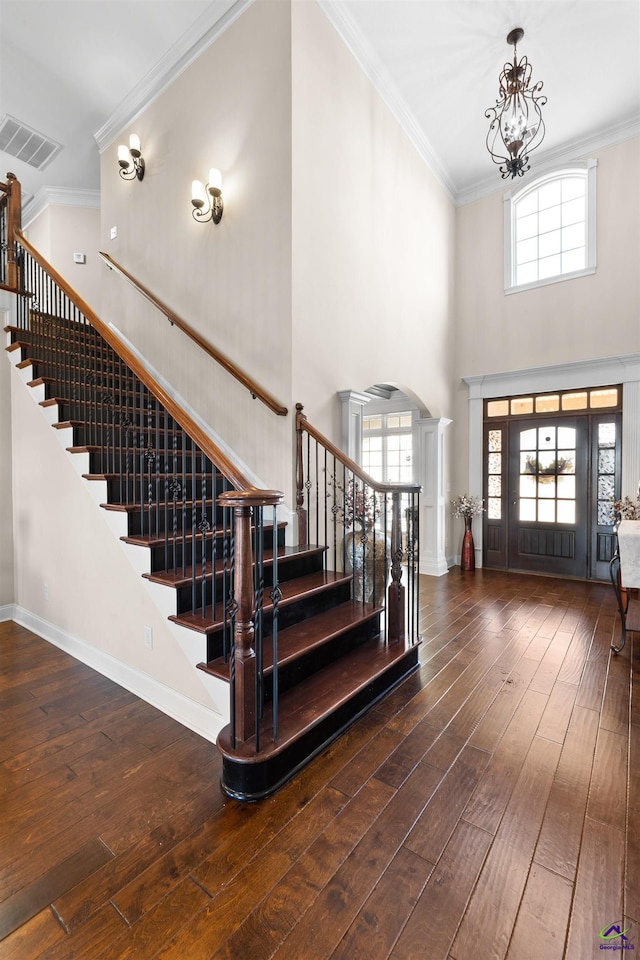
{"points": [[70, 570], [581, 319], [333, 264], [6, 486], [59, 232], [373, 239], [230, 109]]}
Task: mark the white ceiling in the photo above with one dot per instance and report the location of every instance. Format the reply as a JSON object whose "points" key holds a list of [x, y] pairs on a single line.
{"points": [[70, 68]]}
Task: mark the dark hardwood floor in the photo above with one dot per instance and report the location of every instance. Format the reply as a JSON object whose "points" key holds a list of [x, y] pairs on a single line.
{"points": [[489, 808]]}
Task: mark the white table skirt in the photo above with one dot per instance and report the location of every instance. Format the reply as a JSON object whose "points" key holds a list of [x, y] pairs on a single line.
{"points": [[629, 544]]}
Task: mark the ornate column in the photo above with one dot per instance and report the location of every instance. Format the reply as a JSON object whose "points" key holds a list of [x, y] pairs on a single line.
{"points": [[353, 404]]}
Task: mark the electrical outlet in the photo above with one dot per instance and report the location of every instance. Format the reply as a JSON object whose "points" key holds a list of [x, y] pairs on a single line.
{"points": [[114, 232], [46, 591], [148, 638]]}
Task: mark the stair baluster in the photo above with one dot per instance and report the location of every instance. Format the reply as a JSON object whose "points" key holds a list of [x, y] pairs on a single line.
{"points": [[371, 527]]}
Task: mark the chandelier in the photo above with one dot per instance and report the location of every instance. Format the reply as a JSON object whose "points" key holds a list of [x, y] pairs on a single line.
{"points": [[516, 127]]}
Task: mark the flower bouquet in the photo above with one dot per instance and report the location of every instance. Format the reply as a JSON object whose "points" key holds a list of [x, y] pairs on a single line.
{"points": [[466, 506], [627, 509]]}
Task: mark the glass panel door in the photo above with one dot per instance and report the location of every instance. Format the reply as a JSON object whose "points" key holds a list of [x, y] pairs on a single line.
{"points": [[548, 492]]}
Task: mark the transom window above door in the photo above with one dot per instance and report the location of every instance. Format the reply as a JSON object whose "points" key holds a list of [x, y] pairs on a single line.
{"points": [[550, 229], [565, 401]]}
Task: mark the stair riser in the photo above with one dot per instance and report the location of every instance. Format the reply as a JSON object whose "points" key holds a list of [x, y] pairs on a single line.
{"points": [[62, 345], [77, 371], [123, 437], [94, 410], [56, 330], [290, 613], [72, 357], [75, 391], [171, 558], [316, 659], [128, 461], [155, 522], [127, 489], [289, 568], [97, 379]]}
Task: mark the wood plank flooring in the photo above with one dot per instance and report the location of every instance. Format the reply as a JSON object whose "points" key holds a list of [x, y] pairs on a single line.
{"points": [[488, 809]]}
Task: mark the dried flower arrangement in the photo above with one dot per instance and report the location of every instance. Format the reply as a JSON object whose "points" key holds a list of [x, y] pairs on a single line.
{"points": [[466, 506], [627, 508], [357, 503]]}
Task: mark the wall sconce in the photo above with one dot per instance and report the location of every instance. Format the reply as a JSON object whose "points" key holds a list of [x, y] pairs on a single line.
{"points": [[214, 205], [130, 159]]}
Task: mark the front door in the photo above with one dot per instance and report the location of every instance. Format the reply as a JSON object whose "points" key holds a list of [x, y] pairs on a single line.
{"points": [[552, 466], [548, 495]]}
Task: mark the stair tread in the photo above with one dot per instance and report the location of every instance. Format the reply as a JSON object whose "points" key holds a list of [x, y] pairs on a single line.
{"points": [[170, 578], [292, 590], [300, 638], [305, 705]]}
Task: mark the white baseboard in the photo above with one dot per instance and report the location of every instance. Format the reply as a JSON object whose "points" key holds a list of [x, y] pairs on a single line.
{"points": [[206, 723], [434, 569], [7, 612]]}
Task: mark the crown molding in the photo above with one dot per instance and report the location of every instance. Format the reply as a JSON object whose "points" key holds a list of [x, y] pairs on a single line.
{"points": [[61, 197], [599, 371], [203, 32], [566, 153], [377, 75], [343, 23]]}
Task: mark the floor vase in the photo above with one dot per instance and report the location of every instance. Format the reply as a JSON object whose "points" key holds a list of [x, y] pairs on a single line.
{"points": [[468, 557], [366, 552]]}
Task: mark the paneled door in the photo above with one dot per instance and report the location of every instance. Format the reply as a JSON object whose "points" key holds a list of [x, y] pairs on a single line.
{"points": [[548, 496]]}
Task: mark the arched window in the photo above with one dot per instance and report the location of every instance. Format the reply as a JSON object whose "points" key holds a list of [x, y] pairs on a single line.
{"points": [[550, 228]]}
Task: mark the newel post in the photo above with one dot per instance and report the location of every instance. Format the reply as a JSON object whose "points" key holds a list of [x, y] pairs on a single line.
{"points": [[14, 222], [303, 531], [243, 667], [395, 595]]}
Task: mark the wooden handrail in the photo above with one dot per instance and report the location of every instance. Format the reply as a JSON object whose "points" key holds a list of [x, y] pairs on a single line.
{"points": [[254, 389], [181, 417], [303, 424]]}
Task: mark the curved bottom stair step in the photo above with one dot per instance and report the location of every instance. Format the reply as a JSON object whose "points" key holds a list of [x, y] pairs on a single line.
{"points": [[311, 715]]}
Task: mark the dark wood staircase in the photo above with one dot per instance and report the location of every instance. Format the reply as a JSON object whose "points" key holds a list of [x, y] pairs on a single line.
{"points": [[334, 660]]}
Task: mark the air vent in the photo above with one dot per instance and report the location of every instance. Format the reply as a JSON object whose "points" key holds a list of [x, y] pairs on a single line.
{"points": [[26, 144]]}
